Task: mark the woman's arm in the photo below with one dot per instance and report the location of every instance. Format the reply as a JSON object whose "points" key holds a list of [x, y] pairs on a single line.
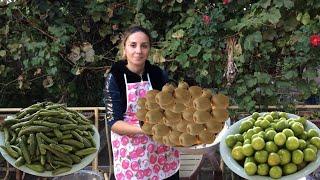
{"points": [[115, 109], [121, 127]]}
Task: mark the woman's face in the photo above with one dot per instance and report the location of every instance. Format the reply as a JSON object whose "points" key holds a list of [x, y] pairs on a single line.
{"points": [[137, 48]]}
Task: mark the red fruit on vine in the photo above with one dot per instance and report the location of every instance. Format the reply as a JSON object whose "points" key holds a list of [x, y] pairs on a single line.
{"points": [[226, 1], [315, 40], [206, 19]]}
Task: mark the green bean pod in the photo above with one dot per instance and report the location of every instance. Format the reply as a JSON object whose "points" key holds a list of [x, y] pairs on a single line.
{"points": [[73, 142], [77, 136], [34, 129], [45, 138], [36, 167], [60, 170], [84, 152], [10, 151], [19, 162], [47, 124], [24, 149]]}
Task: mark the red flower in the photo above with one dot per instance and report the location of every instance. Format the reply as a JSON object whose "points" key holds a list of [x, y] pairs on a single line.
{"points": [[315, 40], [226, 1], [206, 19]]}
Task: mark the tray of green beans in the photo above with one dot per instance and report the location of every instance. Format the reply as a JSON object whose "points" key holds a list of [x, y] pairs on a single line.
{"points": [[48, 139]]}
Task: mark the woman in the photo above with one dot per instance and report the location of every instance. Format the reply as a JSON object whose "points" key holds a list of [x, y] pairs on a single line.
{"points": [[136, 155]]}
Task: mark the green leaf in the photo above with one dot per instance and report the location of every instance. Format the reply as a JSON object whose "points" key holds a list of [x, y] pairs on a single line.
{"points": [[291, 74], [290, 24], [173, 68], [154, 34], [204, 72], [252, 40], [52, 71], [96, 16], [310, 73], [241, 90], [305, 18], [104, 30], [194, 50], [178, 34], [4, 30], [207, 56], [278, 3], [182, 58], [268, 91], [299, 16], [274, 16], [139, 5], [186, 64], [265, 3], [262, 78], [282, 84], [3, 53], [251, 82], [288, 4]]}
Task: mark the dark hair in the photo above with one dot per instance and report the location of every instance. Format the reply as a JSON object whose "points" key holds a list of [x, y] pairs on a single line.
{"points": [[131, 30], [134, 29]]}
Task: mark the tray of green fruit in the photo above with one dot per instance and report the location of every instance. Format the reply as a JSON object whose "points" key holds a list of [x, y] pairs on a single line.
{"points": [[272, 145]]}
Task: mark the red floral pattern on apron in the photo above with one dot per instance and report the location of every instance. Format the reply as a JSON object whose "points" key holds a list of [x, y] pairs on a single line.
{"points": [[138, 156]]}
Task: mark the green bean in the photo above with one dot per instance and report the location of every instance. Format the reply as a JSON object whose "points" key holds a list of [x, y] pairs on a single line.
{"points": [[58, 120], [84, 152], [45, 138], [57, 133], [64, 157], [11, 121], [6, 135], [61, 163], [42, 160], [60, 170], [10, 151], [34, 129], [36, 167], [68, 127], [58, 148], [19, 162], [39, 142], [17, 149], [73, 142], [77, 136], [66, 147], [66, 136], [32, 144], [24, 149], [14, 136], [47, 124], [86, 142], [76, 159]]}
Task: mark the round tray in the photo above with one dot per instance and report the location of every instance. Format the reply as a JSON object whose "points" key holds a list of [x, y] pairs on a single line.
{"points": [[76, 167], [203, 148], [238, 169]]}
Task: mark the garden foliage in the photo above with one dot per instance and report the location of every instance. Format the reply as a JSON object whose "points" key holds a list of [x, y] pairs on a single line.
{"points": [[254, 51]]}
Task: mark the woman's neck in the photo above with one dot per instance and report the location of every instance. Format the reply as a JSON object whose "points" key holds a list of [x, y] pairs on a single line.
{"points": [[136, 69]]}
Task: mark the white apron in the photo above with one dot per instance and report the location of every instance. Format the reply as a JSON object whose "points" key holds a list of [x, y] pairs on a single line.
{"points": [[138, 156]]}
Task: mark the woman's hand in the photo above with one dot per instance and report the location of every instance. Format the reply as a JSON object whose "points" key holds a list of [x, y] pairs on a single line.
{"points": [[123, 128]]}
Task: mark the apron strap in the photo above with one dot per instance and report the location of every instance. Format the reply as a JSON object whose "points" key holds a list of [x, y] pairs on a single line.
{"points": [[126, 85], [150, 87], [125, 79]]}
